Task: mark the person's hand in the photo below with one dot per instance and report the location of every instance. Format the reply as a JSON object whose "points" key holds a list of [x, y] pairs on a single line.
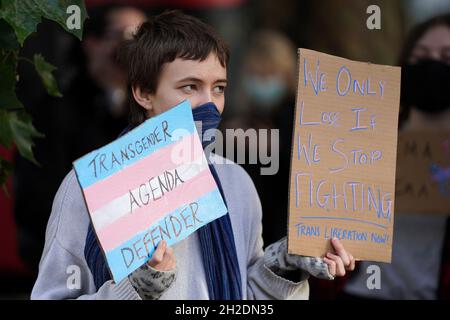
{"points": [[153, 278], [340, 262], [163, 258]]}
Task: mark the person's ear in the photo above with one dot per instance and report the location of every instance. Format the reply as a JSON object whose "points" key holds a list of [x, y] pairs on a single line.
{"points": [[143, 98]]}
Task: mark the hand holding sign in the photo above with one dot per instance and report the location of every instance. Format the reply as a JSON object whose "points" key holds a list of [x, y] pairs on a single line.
{"points": [[338, 264], [334, 264], [163, 258]]}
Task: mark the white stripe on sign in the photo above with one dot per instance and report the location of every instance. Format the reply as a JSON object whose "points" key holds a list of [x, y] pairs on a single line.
{"points": [[120, 206]]}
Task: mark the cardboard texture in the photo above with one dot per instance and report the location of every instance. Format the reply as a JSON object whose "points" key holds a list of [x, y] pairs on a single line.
{"points": [[423, 173], [343, 158]]}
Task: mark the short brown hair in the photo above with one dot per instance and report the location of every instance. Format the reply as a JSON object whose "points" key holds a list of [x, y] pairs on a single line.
{"points": [[161, 40]]}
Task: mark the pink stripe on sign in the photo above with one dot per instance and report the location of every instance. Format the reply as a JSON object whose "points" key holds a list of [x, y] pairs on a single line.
{"points": [[129, 225], [106, 190]]}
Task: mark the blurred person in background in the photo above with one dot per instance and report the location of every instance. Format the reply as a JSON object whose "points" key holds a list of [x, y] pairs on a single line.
{"points": [[114, 24], [268, 85], [90, 114], [420, 267], [105, 114]]}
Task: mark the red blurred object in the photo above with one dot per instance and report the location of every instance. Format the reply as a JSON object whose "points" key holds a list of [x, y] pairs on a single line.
{"points": [[188, 4], [10, 261]]}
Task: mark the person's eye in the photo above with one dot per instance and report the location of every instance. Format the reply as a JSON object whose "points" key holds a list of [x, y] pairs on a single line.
{"points": [[188, 88], [219, 89], [419, 53]]}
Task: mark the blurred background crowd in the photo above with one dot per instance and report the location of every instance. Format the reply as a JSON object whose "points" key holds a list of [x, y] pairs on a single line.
{"points": [[263, 36]]}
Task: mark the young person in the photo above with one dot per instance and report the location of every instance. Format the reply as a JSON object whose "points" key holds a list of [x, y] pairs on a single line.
{"points": [[172, 58]]}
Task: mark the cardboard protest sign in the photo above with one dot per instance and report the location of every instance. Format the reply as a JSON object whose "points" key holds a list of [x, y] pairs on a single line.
{"points": [[423, 173], [152, 183], [343, 159]]}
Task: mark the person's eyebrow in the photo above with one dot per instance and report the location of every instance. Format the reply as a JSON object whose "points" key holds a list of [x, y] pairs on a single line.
{"points": [[190, 79], [222, 80], [198, 80]]}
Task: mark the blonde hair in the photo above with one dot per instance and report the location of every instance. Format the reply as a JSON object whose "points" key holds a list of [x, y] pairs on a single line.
{"points": [[274, 48]]}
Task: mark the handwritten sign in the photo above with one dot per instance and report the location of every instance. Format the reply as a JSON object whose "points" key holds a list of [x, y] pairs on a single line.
{"points": [[423, 173], [152, 183], [343, 161]]}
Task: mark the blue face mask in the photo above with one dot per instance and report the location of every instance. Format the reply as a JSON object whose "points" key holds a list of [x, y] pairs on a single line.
{"points": [[206, 117], [266, 93]]}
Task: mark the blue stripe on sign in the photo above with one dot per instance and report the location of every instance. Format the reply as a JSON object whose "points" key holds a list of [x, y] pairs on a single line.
{"points": [[210, 207], [136, 144]]}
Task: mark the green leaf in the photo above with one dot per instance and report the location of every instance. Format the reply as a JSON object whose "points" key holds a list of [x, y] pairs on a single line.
{"points": [[8, 38], [17, 127], [45, 69], [23, 133], [8, 98], [5, 170], [25, 15]]}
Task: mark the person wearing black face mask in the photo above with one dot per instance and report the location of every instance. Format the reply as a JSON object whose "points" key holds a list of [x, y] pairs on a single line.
{"points": [[425, 86], [420, 267]]}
